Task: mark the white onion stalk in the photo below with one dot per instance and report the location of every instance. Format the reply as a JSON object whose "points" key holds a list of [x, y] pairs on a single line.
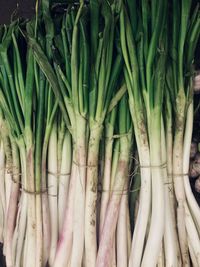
{"points": [[180, 194], [24, 251], [170, 240], [170, 245], [140, 229], [128, 230], [115, 161], [122, 229], [45, 202], [161, 258], [79, 197], [113, 262], [192, 210], [2, 190], [192, 255], [156, 230], [31, 211], [91, 194], [21, 222], [183, 32], [1, 222], [106, 176], [193, 205], [192, 233], [137, 114], [19, 233], [53, 192], [64, 176], [8, 183], [39, 234], [171, 194], [142, 216]]}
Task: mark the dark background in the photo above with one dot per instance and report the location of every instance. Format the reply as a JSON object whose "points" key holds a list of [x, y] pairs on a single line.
{"points": [[24, 8]]}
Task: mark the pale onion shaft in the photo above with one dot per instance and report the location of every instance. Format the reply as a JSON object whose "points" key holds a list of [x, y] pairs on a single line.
{"points": [[105, 195], [192, 210], [192, 234], [170, 242], [53, 192], [161, 257], [31, 212], [157, 221], [180, 195], [64, 246], [12, 207], [192, 203], [143, 210], [79, 195], [170, 185], [21, 223], [105, 248], [64, 176], [91, 197], [2, 189], [122, 230], [192, 255]]}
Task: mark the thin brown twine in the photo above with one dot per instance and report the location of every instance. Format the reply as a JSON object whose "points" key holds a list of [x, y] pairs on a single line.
{"points": [[115, 136], [57, 174], [23, 189], [85, 165], [178, 174], [128, 190], [124, 191], [40, 192], [171, 175], [120, 192], [161, 166]]}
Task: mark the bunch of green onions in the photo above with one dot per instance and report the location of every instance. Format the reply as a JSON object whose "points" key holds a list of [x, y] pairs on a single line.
{"points": [[96, 117]]}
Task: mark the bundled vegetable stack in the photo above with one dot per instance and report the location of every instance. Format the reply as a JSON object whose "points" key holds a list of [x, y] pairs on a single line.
{"points": [[96, 116]]}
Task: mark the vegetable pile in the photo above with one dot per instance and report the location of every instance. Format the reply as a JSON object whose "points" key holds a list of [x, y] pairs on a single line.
{"points": [[96, 122]]}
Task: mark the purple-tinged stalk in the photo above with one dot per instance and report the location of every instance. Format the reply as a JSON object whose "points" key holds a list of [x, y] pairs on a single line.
{"points": [[105, 72], [66, 235], [13, 204], [105, 251], [106, 181], [122, 229], [104, 255]]}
